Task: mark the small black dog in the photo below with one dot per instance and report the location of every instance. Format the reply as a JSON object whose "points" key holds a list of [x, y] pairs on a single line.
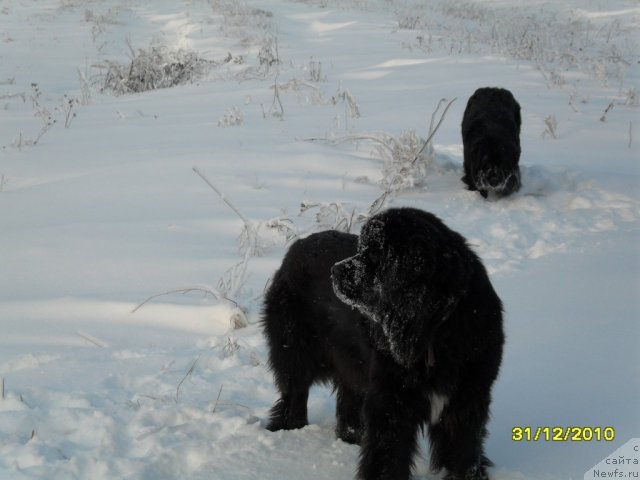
{"points": [[491, 141], [412, 337]]}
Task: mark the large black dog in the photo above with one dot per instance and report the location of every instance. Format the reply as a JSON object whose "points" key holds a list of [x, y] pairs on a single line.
{"points": [[491, 142], [404, 323]]}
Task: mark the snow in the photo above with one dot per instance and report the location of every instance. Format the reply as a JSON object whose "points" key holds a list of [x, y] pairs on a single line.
{"points": [[102, 213]]}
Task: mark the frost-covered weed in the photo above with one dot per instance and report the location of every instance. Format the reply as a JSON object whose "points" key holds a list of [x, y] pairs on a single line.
{"points": [[406, 157], [268, 58], [232, 117], [153, 68], [100, 22], [339, 216], [48, 115], [269, 55], [333, 215], [405, 160], [85, 88], [404, 166], [277, 109], [554, 43], [315, 71], [68, 106], [551, 125], [408, 17], [351, 107], [230, 347], [231, 282], [250, 25], [631, 97], [305, 92], [284, 227]]}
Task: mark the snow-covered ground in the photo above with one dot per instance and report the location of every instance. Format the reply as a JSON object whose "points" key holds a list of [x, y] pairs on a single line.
{"points": [[101, 209]]}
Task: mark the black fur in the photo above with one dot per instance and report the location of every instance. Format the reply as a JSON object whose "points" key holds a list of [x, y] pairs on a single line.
{"points": [[417, 326], [491, 141]]}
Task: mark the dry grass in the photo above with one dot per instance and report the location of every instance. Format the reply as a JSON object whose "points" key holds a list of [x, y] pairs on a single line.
{"points": [[153, 68]]}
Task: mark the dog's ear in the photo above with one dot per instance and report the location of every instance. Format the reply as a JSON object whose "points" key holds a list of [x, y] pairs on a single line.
{"points": [[449, 271], [406, 328]]}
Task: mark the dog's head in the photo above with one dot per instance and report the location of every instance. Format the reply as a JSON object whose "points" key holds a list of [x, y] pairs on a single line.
{"points": [[406, 278], [495, 164]]}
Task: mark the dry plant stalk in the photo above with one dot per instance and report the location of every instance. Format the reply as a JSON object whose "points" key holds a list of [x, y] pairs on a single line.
{"points": [[187, 375], [551, 125], [432, 129], [206, 290], [215, 405]]}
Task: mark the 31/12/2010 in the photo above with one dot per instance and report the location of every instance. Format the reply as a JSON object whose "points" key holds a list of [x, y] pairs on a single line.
{"points": [[563, 434]]}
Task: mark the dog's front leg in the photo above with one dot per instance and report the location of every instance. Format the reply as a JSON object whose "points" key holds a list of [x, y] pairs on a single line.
{"points": [[391, 423]]}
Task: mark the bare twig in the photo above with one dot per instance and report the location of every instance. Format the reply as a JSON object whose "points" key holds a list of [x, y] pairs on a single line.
{"points": [[208, 291], [217, 400], [385, 140], [249, 236], [295, 84], [250, 232], [432, 130], [187, 375], [222, 196], [378, 203], [92, 339], [235, 404], [67, 106], [603, 118], [354, 138], [276, 99], [227, 288]]}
